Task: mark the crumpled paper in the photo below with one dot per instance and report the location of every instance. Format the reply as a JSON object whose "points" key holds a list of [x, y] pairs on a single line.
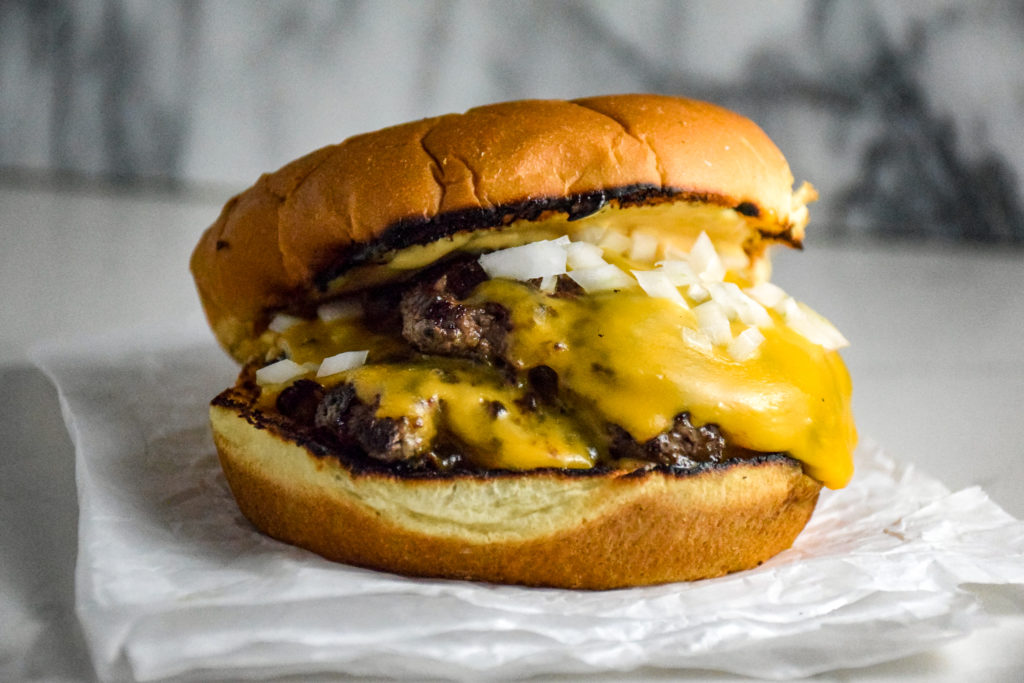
{"points": [[174, 584]]}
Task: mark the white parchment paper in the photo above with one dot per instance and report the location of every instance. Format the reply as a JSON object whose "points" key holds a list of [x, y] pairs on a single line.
{"points": [[173, 583]]}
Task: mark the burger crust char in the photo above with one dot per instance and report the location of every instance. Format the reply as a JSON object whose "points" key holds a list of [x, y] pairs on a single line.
{"points": [[352, 203], [370, 215], [560, 528]]}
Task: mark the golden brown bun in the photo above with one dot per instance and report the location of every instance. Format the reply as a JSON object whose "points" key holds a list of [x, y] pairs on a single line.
{"points": [[593, 530], [279, 242]]}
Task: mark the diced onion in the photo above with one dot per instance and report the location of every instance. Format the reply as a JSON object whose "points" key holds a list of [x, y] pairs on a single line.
{"points": [[679, 272], [592, 234], [644, 247], [768, 294], [658, 285], [722, 295], [808, 323], [697, 339], [346, 360], [697, 292], [536, 259], [283, 321], [753, 313], [279, 372], [788, 309], [601, 278], [746, 343], [340, 309], [548, 284], [584, 255], [739, 305], [734, 261], [714, 322], [675, 253], [615, 242], [704, 260]]}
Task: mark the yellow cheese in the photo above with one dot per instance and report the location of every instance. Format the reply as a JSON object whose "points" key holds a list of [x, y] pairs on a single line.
{"points": [[625, 355], [473, 406], [621, 357]]}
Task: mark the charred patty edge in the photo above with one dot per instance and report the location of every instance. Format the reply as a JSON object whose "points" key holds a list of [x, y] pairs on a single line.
{"points": [[240, 400], [421, 230]]}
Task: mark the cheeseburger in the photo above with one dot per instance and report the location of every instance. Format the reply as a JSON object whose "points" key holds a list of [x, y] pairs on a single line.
{"points": [[534, 343]]}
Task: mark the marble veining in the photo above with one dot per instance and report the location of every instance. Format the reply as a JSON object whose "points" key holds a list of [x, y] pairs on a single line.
{"points": [[906, 116]]}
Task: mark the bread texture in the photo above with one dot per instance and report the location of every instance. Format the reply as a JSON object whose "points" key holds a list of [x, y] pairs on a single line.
{"points": [[379, 208], [367, 198], [556, 528]]}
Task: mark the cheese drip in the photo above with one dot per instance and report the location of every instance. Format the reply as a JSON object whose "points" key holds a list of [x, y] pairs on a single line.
{"points": [[621, 358], [474, 407], [624, 354]]}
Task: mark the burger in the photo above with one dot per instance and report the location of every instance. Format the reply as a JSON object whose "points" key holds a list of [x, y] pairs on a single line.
{"points": [[535, 343]]}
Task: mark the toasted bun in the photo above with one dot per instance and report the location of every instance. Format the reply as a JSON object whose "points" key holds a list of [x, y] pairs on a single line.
{"points": [[379, 206], [367, 198], [593, 530]]}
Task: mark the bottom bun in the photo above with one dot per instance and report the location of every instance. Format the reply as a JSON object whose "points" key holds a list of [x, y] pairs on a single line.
{"points": [[557, 528]]}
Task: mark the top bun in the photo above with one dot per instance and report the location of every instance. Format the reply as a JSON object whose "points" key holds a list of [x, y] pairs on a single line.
{"points": [[296, 232]]}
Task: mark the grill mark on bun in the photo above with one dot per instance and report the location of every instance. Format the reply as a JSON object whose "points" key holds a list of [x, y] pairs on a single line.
{"points": [[748, 209], [350, 204], [239, 400], [419, 231]]}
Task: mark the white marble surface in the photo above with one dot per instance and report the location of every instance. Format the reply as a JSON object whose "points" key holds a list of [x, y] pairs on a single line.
{"points": [[937, 361], [906, 115]]}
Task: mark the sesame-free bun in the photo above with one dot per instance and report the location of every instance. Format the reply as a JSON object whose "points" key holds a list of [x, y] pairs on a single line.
{"points": [[556, 528], [294, 235], [378, 208]]}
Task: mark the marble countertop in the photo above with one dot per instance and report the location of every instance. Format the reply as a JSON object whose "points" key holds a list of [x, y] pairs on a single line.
{"points": [[937, 359]]}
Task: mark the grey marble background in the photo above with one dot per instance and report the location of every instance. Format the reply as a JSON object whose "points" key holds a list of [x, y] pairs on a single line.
{"points": [[906, 115]]}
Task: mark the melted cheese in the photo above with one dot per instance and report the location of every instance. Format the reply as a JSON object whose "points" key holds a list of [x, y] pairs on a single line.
{"points": [[675, 225], [624, 354], [474, 407], [621, 357]]}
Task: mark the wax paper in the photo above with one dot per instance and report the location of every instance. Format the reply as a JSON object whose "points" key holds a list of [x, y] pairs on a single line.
{"points": [[172, 583]]}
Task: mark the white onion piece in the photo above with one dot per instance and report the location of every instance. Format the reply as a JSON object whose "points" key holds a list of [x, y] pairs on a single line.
{"points": [[659, 286], [601, 278], [584, 255], [279, 372], [714, 323], [704, 260], [768, 294], [591, 234], [615, 242], [788, 309], [753, 313], [698, 293], [346, 360], [548, 284], [674, 253], [739, 305], [340, 309], [733, 261], [697, 339], [644, 247], [722, 295], [283, 321], [536, 259], [679, 272], [746, 343], [809, 324]]}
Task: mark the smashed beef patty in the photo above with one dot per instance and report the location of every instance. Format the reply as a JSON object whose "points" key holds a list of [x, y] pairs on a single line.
{"points": [[430, 314]]}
